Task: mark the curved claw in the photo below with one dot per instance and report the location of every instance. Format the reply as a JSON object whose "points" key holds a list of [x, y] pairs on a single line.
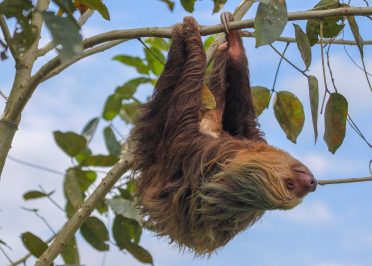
{"points": [[226, 17]]}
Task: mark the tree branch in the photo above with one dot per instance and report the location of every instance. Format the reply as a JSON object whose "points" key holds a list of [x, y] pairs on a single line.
{"points": [[54, 66], [8, 37], [77, 220], [165, 32], [344, 180], [51, 45], [325, 41]]}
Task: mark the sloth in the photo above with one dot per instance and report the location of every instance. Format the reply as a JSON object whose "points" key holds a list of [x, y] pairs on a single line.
{"points": [[204, 175]]}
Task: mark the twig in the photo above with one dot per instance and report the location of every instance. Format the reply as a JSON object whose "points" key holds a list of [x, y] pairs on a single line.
{"points": [[3, 95], [277, 72], [51, 199], [344, 180], [357, 130], [323, 66], [303, 72], [238, 14], [5, 254], [8, 37], [75, 222], [166, 32], [35, 166], [54, 66], [325, 41], [51, 45], [150, 51], [36, 212]]}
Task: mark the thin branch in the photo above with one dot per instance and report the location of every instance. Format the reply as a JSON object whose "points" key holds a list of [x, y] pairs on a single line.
{"points": [[3, 95], [6, 255], [344, 180], [277, 73], [8, 37], [323, 66], [357, 130], [238, 14], [303, 72], [165, 32], [54, 66], [325, 41], [35, 166], [36, 212], [51, 199], [75, 222], [150, 51], [51, 45]]}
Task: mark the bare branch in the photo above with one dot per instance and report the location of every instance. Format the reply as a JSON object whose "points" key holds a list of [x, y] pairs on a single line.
{"points": [[344, 180], [165, 32], [51, 45], [325, 41], [54, 66], [8, 37], [76, 221]]}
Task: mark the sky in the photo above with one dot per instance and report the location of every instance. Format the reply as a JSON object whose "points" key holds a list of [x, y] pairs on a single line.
{"points": [[332, 227]]}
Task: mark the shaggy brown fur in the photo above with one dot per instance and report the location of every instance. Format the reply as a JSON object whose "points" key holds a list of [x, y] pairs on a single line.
{"points": [[203, 180]]}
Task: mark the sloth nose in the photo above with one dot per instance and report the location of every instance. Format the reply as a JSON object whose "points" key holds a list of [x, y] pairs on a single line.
{"points": [[312, 183]]}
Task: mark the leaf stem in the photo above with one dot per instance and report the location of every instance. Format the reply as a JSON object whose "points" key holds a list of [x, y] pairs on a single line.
{"points": [[303, 72]]}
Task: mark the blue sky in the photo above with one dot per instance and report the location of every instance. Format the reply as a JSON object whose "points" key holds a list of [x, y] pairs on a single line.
{"points": [[332, 227]]}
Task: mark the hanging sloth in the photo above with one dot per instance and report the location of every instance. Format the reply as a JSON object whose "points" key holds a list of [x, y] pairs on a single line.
{"points": [[203, 176]]}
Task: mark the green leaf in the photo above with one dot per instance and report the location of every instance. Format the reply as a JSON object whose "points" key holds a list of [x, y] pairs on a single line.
{"points": [[130, 87], [134, 62], [169, 3], [97, 5], [208, 41], [303, 45], [139, 253], [355, 30], [112, 106], [290, 114], [326, 4], [314, 103], [72, 188], [65, 32], [155, 60], [129, 112], [25, 34], [34, 194], [70, 210], [158, 43], [112, 145], [102, 207], [188, 5], [83, 155], [14, 8], [125, 208], [95, 233], [331, 28], [100, 160], [261, 98], [218, 5], [208, 100], [70, 142], [33, 244], [335, 121], [125, 230], [270, 21], [84, 178], [70, 253], [90, 128]]}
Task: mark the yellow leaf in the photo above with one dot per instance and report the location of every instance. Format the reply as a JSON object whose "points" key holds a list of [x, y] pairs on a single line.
{"points": [[208, 100]]}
